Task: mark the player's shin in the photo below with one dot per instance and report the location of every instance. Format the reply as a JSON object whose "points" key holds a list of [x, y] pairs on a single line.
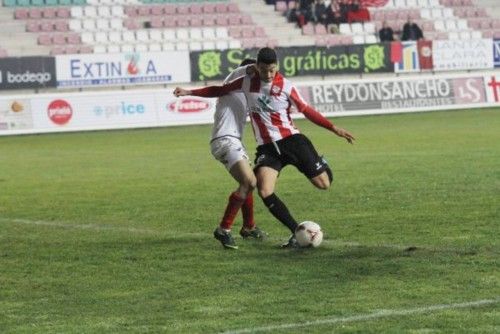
{"points": [[279, 210], [247, 211], [234, 204]]}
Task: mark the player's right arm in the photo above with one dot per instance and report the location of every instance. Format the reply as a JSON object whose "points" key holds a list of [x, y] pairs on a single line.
{"points": [[211, 91]]}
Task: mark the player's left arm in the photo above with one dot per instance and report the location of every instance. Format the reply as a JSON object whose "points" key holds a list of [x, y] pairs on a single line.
{"points": [[316, 117]]}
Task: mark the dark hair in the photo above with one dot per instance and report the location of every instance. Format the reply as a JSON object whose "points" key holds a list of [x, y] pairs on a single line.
{"points": [[267, 56], [248, 61]]}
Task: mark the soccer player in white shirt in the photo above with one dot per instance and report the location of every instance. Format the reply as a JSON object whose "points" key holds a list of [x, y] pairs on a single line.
{"points": [[226, 146], [270, 97]]}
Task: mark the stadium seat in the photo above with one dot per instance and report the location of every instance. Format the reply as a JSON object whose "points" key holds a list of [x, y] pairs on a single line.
{"points": [[235, 44], [182, 46], [113, 48], [169, 35], [142, 35], [21, 14], [128, 36], [101, 37], [35, 13], [154, 47], [369, 28], [195, 34], [345, 29], [87, 37], [44, 39], [357, 28], [439, 25], [49, 13], [61, 25], [168, 46], [358, 39], [221, 45], [195, 46], [141, 47], [182, 34], [76, 12], [208, 33], [90, 11], [100, 49], [370, 39], [155, 35], [114, 37], [307, 29], [221, 33], [453, 35], [126, 48]]}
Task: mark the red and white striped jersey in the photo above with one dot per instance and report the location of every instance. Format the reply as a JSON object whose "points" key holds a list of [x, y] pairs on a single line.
{"points": [[269, 105]]}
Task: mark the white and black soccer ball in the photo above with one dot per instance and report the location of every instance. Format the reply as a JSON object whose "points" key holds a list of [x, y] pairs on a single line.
{"points": [[309, 234]]}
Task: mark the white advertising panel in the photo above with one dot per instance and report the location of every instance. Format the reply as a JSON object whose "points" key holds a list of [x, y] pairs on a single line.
{"points": [[100, 111], [463, 54], [81, 70]]}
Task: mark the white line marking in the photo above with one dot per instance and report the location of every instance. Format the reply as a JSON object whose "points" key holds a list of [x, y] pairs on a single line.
{"points": [[77, 226], [365, 317], [102, 227]]}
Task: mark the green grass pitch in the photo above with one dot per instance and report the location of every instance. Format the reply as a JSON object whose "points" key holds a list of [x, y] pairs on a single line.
{"points": [[111, 232]]}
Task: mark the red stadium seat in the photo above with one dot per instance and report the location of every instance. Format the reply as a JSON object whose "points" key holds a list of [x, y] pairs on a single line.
{"points": [[183, 9], [35, 13], [49, 13], [61, 25], [169, 9], [21, 14], [209, 8], [157, 10], [196, 9]]}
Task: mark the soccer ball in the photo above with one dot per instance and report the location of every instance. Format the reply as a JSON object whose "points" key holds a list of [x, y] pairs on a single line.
{"points": [[309, 234]]}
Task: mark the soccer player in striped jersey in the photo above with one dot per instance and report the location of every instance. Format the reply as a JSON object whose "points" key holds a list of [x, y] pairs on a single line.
{"points": [[270, 97]]}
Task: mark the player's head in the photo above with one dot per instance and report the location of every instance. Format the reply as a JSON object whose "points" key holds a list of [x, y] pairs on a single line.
{"points": [[248, 61], [267, 64]]}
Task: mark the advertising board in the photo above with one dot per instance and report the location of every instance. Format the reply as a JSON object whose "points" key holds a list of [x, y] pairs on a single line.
{"points": [[83, 70]]}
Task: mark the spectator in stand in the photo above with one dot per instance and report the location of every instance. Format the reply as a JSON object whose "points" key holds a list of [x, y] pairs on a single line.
{"points": [[411, 31], [318, 12], [300, 12], [333, 17], [386, 34], [354, 6], [344, 7]]}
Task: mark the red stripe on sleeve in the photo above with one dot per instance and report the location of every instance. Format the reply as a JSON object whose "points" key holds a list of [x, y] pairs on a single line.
{"points": [[308, 111], [216, 91]]}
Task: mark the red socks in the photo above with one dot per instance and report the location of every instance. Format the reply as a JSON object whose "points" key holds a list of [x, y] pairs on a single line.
{"points": [[247, 211], [234, 204]]}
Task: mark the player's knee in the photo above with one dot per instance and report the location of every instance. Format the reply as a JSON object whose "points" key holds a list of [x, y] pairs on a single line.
{"points": [[323, 184], [322, 181], [249, 183], [265, 192]]}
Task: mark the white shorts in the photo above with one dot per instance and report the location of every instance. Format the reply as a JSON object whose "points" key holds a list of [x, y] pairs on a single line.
{"points": [[228, 150]]}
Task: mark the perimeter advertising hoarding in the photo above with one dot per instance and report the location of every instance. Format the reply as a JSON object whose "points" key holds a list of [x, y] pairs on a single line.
{"points": [[297, 61], [133, 109], [27, 73], [62, 111], [121, 69], [395, 95], [463, 54]]}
